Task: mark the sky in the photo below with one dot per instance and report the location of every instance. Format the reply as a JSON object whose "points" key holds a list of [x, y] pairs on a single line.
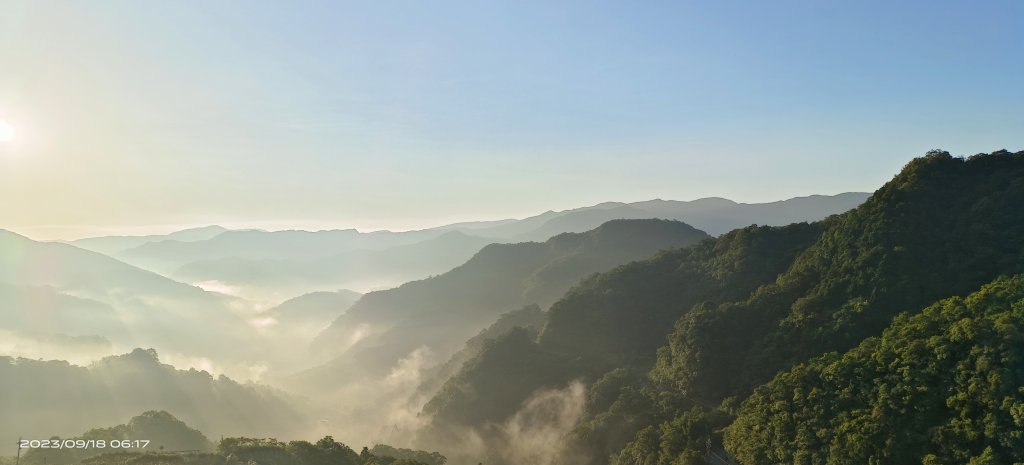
{"points": [[147, 116]]}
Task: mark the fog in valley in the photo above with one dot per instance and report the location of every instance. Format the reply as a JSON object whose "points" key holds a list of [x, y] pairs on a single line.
{"points": [[297, 334], [511, 233]]}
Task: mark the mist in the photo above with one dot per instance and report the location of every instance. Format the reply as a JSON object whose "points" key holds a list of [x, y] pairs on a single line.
{"points": [[297, 335]]}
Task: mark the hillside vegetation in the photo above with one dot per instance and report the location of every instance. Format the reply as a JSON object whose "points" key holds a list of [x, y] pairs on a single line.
{"points": [[670, 346], [942, 386], [442, 312]]}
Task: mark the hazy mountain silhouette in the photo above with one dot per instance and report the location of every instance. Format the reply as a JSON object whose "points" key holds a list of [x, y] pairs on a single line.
{"points": [[82, 272], [712, 215], [442, 312], [167, 256], [22, 306], [311, 313], [361, 268], [64, 289], [717, 215], [110, 245], [168, 253], [41, 399]]}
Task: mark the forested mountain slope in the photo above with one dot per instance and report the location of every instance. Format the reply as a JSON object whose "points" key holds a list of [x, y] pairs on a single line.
{"points": [[614, 319], [530, 317], [442, 312], [942, 386], [942, 227]]}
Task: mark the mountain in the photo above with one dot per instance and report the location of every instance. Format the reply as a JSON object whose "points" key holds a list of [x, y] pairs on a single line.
{"points": [[85, 273], [40, 399], [110, 245], [264, 278], [583, 219], [268, 267], [167, 256], [717, 215], [942, 227], [311, 313], [528, 226], [443, 311], [611, 320], [63, 313], [52, 288], [197, 251], [388, 346], [942, 385], [530, 317], [713, 215]]}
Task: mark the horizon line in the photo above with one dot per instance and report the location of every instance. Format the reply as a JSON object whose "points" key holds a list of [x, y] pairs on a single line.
{"points": [[311, 225]]}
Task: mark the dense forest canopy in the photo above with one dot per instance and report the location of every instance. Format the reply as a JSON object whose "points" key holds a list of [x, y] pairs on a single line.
{"points": [[940, 386]]}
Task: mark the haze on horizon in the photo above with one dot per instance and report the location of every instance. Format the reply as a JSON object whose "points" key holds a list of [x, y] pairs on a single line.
{"points": [[352, 115]]}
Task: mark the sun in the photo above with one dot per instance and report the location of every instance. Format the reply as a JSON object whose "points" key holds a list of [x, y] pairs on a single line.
{"points": [[6, 131]]}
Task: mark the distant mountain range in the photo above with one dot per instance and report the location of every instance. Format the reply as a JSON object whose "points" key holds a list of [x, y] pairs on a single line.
{"points": [[110, 245], [713, 215], [273, 266], [51, 288], [250, 300], [267, 279]]}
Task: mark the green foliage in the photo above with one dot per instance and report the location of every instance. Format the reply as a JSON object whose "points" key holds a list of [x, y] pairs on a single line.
{"points": [[256, 451], [683, 440], [495, 383], [409, 455], [944, 226], [163, 430], [530, 317], [326, 451], [917, 239], [943, 386], [619, 318]]}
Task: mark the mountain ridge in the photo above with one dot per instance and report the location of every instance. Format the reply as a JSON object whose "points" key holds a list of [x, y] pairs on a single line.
{"points": [[459, 303]]}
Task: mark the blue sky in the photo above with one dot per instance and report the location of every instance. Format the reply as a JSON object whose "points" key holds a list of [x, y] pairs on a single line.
{"points": [[407, 114]]}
